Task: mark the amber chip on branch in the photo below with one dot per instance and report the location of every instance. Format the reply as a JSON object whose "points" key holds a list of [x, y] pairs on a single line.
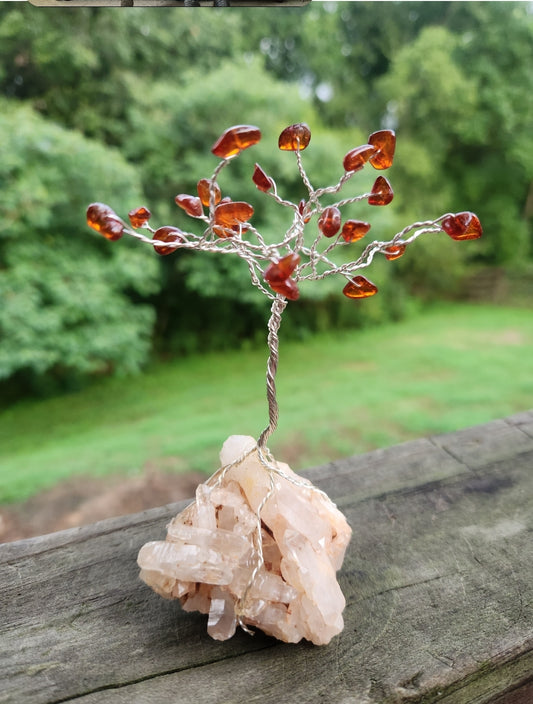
{"points": [[382, 192], [105, 221], [167, 234], [205, 187], [192, 205], [359, 287], [385, 142], [230, 216], [463, 226], [354, 230], [295, 137], [329, 223], [301, 210], [281, 270], [394, 251], [235, 139], [357, 158], [287, 288], [262, 181], [139, 217]]}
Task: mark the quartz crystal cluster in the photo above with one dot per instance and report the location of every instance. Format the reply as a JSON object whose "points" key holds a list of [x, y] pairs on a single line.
{"points": [[259, 547]]}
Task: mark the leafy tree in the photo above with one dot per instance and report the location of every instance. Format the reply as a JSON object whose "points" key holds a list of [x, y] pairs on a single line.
{"points": [[79, 68], [67, 300]]}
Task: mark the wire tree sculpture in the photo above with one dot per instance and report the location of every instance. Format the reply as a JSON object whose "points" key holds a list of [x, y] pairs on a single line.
{"points": [[280, 594]]}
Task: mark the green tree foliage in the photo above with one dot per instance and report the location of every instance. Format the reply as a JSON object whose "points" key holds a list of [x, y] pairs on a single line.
{"points": [[453, 79], [67, 299], [81, 67]]}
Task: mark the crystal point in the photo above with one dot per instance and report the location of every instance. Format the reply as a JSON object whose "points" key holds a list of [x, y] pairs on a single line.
{"points": [[210, 562]]}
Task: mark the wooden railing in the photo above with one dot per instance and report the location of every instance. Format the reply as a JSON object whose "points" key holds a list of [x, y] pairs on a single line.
{"points": [[438, 580]]}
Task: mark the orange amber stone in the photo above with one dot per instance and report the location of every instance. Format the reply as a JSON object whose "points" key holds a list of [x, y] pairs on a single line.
{"points": [[167, 234], [463, 226], [394, 251], [357, 158], [382, 192], [235, 139], [359, 287], [301, 210], [354, 230], [329, 223], [192, 205], [233, 213], [105, 221], [294, 137], [287, 288], [230, 216], [261, 180], [281, 270], [205, 186], [139, 217], [384, 142]]}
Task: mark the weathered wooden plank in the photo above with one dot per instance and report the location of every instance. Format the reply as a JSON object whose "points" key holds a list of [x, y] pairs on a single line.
{"points": [[438, 581]]}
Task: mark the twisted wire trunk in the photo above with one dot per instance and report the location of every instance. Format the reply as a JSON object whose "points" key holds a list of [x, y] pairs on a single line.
{"points": [[278, 306]]}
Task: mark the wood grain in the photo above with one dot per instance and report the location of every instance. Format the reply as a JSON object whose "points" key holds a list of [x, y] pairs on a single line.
{"points": [[438, 580]]}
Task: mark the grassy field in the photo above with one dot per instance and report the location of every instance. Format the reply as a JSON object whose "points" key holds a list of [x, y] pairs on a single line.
{"points": [[340, 394]]}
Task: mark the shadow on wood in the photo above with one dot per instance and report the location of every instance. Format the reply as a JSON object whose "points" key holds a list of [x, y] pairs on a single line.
{"points": [[438, 581]]}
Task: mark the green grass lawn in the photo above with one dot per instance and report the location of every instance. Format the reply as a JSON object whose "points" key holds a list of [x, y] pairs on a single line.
{"points": [[340, 394]]}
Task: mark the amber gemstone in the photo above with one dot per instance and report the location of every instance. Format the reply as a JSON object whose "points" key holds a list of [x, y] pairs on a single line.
{"points": [[233, 213], [329, 223], [139, 217], [261, 180], [167, 234], [235, 139], [287, 288], [354, 230], [294, 137], [230, 216], [382, 192], [192, 205], [301, 210], [359, 287], [463, 226], [357, 158], [205, 187], [105, 221], [385, 142], [394, 251], [281, 270]]}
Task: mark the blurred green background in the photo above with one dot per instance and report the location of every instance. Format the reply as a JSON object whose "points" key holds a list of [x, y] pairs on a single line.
{"points": [[123, 106]]}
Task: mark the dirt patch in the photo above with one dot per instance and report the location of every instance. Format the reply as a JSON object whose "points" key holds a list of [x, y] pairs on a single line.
{"points": [[82, 500]]}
